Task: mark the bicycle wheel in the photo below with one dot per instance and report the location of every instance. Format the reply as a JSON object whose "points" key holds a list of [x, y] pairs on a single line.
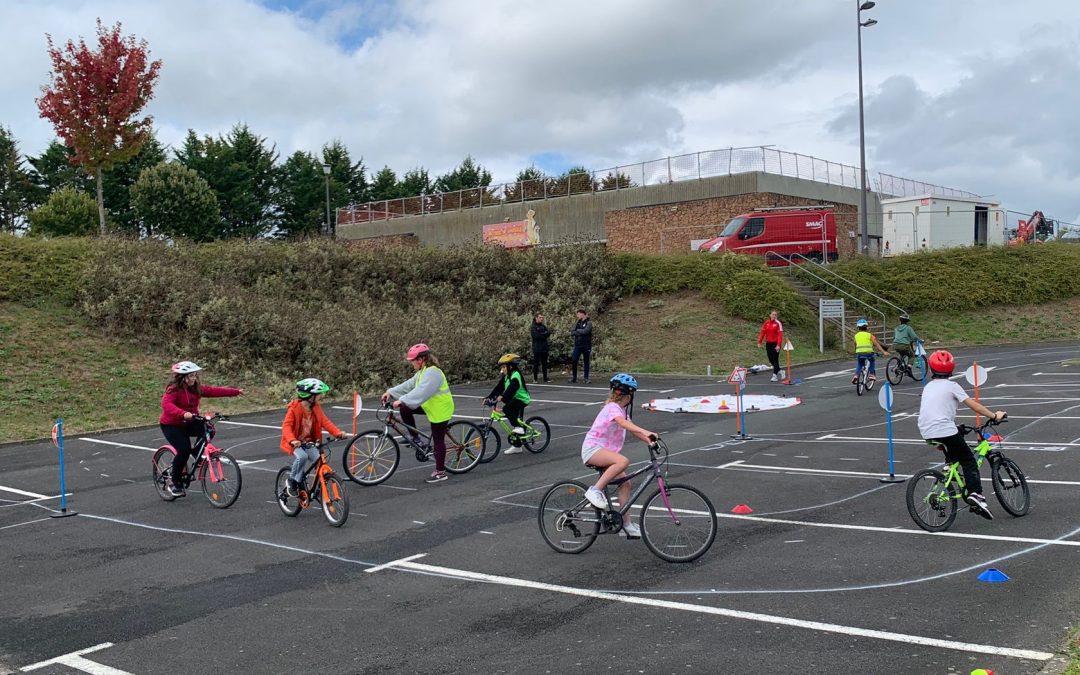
{"points": [[335, 503], [894, 370], [686, 530], [163, 460], [371, 457], [919, 368], [860, 383], [492, 442], [290, 506], [538, 436], [931, 503], [1010, 486], [464, 446], [568, 522], [221, 480]]}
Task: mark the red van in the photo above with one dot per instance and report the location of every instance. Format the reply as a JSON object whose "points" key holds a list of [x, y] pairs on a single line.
{"points": [[779, 232]]}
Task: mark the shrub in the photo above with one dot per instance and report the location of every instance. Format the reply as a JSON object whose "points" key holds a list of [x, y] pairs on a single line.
{"points": [[174, 200], [35, 271], [67, 213]]}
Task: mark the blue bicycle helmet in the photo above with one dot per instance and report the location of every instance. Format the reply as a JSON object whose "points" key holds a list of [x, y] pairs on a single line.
{"points": [[624, 382], [861, 323]]}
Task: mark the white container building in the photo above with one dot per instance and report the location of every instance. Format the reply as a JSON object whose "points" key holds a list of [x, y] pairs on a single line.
{"points": [[929, 222]]}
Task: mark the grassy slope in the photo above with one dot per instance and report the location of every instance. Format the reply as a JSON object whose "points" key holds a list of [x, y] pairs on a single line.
{"points": [[56, 364]]}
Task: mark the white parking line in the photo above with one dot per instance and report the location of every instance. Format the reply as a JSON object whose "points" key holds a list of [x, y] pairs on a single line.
{"points": [[39, 520], [24, 493], [869, 474], [730, 613], [119, 445], [393, 563], [249, 424], [75, 660]]}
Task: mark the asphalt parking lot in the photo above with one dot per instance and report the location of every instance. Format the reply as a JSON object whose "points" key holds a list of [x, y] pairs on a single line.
{"points": [[827, 574]]}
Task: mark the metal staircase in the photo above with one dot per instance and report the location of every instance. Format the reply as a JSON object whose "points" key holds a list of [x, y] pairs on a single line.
{"points": [[808, 277]]}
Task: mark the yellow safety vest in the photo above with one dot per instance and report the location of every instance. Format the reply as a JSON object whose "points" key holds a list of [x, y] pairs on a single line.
{"points": [[864, 342], [440, 407]]}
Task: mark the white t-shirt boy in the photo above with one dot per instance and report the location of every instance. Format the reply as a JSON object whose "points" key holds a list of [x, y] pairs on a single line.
{"points": [[937, 409]]}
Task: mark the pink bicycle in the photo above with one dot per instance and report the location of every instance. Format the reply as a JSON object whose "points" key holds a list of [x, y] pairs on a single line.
{"points": [[215, 468]]}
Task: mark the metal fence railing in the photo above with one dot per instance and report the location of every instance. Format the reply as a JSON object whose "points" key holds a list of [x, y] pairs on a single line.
{"points": [[894, 186], [724, 162]]}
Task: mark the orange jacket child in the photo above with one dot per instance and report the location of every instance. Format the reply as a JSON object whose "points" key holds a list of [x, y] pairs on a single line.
{"points": [[297, 417]]}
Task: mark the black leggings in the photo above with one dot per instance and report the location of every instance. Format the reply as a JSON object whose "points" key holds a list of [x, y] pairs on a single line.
{"points": [[957, 450], [438, 434], [513, 410], [180, 438], [774, 356]]}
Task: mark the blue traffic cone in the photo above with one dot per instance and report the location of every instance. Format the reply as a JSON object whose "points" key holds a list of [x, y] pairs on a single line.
{"points": [[993, 575]]}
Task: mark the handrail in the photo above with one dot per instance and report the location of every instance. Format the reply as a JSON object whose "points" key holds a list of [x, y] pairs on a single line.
{"points": [[899, 310], [870, 307]]}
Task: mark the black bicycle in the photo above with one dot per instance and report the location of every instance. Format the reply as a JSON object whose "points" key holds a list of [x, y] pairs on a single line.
{"points": [[678, 522], [900, 367], [215, 468]]}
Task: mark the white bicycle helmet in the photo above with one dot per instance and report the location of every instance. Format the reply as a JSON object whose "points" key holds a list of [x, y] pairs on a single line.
{"points": [[185, 368]]}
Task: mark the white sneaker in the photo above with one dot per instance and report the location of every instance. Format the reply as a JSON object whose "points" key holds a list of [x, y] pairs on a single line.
{"points": [[774, 378], [631, 530], [783, 374], [596, 497], [520, 431], [512, 450]]}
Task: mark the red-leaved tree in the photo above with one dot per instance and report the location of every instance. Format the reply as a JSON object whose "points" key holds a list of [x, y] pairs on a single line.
{"points": [[95, 97]]}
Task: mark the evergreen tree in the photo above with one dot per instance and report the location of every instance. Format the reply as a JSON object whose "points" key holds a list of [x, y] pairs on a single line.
{"points": [[16, 187]]}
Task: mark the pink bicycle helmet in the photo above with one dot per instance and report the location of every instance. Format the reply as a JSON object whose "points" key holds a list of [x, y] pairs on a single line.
{"points": [[416, 351]]}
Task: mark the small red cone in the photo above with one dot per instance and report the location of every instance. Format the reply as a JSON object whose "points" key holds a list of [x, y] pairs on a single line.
{"points": [[742, 509], [705, 400]]}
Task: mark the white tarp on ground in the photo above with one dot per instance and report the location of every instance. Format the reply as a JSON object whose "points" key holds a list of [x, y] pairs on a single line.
{"points": [[721, 403]]}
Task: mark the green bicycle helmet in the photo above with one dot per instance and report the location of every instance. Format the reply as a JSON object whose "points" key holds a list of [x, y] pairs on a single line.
{"points": [[311, 386]]}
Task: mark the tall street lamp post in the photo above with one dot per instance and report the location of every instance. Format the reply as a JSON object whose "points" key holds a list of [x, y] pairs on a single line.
{"points": [[329, 224], [864, 241]]}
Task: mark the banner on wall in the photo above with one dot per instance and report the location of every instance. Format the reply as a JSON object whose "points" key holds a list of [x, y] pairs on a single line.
{"points": [[721, 403], [516, 234]]}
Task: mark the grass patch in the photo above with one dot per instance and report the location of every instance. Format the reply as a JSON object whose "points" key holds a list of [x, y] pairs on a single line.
{"points": [[998, 324], [1073, 652], [705, 336], [56, 364]]}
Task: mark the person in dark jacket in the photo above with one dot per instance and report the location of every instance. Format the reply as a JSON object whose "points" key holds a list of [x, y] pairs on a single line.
{"points": [[582, 333], [540, 334]]}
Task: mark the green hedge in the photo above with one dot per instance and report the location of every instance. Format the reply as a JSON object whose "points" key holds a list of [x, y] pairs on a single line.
{"points": [[964, 278], [39, 271]]}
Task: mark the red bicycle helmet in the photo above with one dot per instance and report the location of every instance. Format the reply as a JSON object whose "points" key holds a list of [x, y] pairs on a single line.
{"points": [[942, 363]]}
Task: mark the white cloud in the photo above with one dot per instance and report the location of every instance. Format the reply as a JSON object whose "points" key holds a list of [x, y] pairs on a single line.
{"points": [[963, 93]]}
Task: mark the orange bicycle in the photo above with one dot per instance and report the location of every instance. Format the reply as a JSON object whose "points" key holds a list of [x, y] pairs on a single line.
{"points": [[323, 487]]}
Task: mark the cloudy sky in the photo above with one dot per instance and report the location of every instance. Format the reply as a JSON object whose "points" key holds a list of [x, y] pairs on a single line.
{"points": [[982, 95]]}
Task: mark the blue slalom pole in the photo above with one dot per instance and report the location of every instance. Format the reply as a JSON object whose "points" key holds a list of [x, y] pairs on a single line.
{"points": [[742, 415], [887, 391], [64, 513]]}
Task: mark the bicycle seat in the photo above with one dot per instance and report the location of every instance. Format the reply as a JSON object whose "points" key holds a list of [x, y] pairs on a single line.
{"points": [[939, 446]]}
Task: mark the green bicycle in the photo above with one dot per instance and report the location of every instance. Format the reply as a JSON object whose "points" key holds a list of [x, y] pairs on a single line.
{"points": [[535, 439], [933, 495]]}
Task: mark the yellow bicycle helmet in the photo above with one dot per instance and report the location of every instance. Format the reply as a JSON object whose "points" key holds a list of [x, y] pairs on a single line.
{"points": [[507, 359]]}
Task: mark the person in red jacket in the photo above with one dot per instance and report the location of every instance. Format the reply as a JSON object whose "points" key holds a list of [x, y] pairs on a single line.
{"points": [[301, 432], [772, 332], [179, 408]]}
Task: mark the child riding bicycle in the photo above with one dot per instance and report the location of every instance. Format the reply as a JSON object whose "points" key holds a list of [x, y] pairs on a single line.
{"points": [[866, 343], [937, 424], [604, 441], [904, 340], [301, 431], [427, 390], [510, 389], [179, 413]]}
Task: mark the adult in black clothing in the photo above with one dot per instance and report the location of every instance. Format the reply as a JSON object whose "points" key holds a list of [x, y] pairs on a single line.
{"points": [[540, 334], [582, 333]]}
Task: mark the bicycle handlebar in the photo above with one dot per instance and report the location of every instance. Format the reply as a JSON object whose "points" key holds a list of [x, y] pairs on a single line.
{"points": [[212, 418], [990, 422]]}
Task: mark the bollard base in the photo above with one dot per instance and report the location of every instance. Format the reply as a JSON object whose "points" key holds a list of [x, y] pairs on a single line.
{"points": [[742, 437], [892, 479], [64, 514]]}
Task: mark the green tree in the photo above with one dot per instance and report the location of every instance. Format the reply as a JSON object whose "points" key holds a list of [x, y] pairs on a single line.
{"points": [[240, 170], [94, 98], [173, 200], [16, 187], [529, 184], [348, 180], [573, 181], [615, 181], [385, 185], [415, 183], [68, 212], [54, 169], [301, 196], [469, 174]]}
